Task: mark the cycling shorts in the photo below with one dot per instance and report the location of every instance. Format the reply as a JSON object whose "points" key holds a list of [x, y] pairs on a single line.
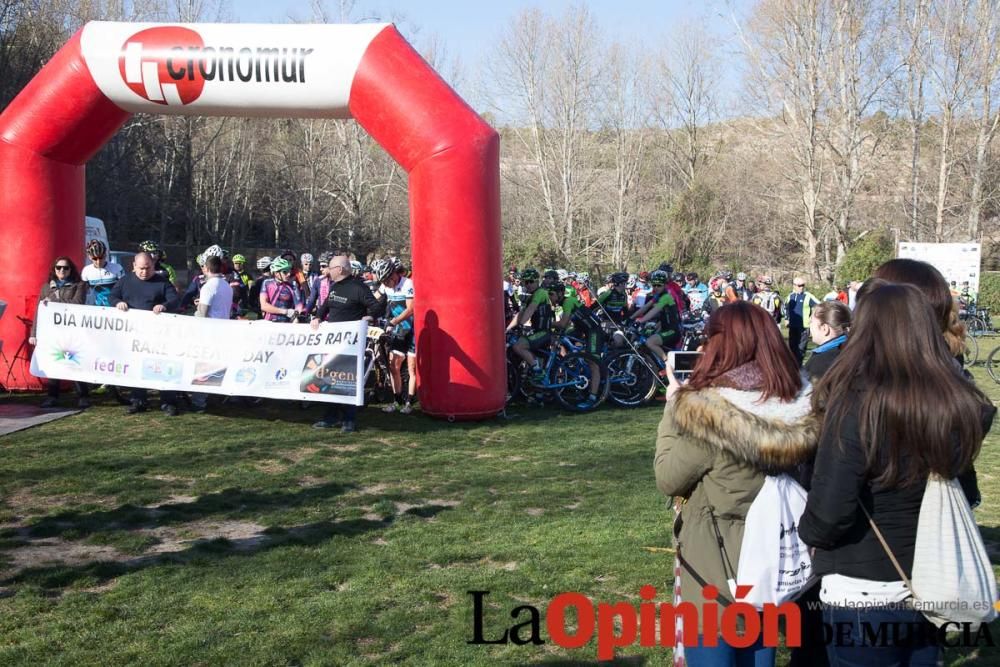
{"points": [[537, 340], [403, 345]]}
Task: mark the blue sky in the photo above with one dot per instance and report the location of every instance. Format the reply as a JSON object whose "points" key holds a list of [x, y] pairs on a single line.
{"points": [[469, 29]]}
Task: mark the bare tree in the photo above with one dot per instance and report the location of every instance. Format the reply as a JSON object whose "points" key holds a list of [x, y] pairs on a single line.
{"points": [[986, 78], [913, 44]]}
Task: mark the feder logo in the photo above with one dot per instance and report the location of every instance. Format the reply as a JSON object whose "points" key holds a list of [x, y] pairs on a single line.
{"points": [[147, 65]]}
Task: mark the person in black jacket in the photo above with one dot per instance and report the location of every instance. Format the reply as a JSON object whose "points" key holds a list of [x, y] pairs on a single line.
{"points": [[144, 289], [828, 326], [349, 300], [895, 408]]}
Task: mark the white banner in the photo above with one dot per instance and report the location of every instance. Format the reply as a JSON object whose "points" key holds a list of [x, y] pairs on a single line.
{"points": [[227, 69], [232, 357], [957, 262]]}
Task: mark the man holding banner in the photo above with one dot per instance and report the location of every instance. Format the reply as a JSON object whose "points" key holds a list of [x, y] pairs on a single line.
{"points": [[349, 300], [144, 289]]}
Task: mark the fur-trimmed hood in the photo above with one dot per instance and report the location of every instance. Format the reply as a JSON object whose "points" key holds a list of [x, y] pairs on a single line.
{"points": [[771, 434]]}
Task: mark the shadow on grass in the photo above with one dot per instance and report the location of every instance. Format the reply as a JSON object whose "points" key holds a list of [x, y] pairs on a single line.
{"points": [[630, 661], [61, 576], [233, 502]]}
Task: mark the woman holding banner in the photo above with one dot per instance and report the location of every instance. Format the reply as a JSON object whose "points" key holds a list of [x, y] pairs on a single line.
{"points": [[64, 286]]}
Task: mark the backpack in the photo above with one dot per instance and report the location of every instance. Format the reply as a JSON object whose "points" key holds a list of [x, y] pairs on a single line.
{"points": [[953, 580], [773, 558]]}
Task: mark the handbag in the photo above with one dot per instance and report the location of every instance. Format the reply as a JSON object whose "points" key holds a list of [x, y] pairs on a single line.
{"points": [[953, 580]]}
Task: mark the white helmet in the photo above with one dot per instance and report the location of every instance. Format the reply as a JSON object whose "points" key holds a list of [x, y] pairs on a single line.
{"points": [[741, 276], [356, 266], [382, 269], [213, 251], [306, 257], [264, 262], [563, 274]]}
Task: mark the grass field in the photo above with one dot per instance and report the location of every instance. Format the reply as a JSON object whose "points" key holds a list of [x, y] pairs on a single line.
{"points": [[246, 537]]}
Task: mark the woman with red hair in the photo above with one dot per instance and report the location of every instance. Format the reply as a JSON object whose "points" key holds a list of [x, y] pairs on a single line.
{"points": [[745, 413]]}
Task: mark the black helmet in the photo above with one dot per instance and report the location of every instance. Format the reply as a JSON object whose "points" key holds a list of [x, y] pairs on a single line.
{"points": [[666, 268], [559, 289], [618, 278], [96, 248], [550, 274], [529, 275], [678, 277], [692, 276]]}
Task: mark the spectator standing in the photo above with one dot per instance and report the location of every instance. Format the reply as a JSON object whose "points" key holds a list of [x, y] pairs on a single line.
{"points": [[895, 408], [745, 413], [215, 301], [144, 289], [798, 310], [349, 300], [63, 286]]}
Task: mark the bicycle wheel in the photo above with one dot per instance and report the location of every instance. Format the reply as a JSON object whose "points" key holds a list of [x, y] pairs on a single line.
{"points": [[631, 382], [571, 377], [975, 326], [993, 365], [513, 381], [971, 351]]}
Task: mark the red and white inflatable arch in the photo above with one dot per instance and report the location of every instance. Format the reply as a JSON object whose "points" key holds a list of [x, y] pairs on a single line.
{"points": [[367, 72]]}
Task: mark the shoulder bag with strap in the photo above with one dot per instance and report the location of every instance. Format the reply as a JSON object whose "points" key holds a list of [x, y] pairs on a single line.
{"points": [[953, 580]]}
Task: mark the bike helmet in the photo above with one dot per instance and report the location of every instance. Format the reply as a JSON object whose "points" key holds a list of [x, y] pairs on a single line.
{"points": [[666, 268], [678, 277], [767, 280], [306, 257], [213, 251], [659, 278], [355, 266], [618, 278], [563, 274], [741, 276], [149, 246], [200, 260], [529, 275], [632, 282], [692, 276], [550, 274], [239, 259], [644, 275], [382, 269], [288, 254], [280, 264], [264, 262], [583, 276], [96, 248], [728, 275], [558, 289], [325, 257]]}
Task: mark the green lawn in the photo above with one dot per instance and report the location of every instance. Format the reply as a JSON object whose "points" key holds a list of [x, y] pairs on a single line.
{"points": [[246, 537]]}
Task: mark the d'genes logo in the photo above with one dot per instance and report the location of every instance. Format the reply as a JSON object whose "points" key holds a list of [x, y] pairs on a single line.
{"points": [[148, 67]]}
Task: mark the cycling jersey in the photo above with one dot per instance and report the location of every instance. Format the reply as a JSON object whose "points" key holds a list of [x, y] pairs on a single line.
{"points": [[396, 301], [584, 322], [101, 279], [615, 303], [544, 314], [669, 316], [280, 295]]}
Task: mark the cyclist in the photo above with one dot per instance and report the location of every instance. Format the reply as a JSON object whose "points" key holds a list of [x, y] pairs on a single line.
{"points": [[298, 278], [696, 291], [584, 323], [673, 285], [717, 296], [769, 300], [160, 267], [264, 266], [642, 289], [279, 300], [308, 268], [241, 292], [100, 274], [740, 289], [613, 304], [194, 287], [539, 312], [396, 291], [319, 289], [662, 310]]}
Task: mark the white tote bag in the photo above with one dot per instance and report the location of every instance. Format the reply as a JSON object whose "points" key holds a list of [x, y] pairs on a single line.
{"points": [[952, 574], [772, 557], [953, 580]]}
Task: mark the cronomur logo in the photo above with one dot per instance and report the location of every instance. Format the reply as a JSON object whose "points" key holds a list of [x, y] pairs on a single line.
{"points": [[170, 65], [151, 64]]}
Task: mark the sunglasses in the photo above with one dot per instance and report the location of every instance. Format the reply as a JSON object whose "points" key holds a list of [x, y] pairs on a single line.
{"points": [[800, 284], [62, 267]]}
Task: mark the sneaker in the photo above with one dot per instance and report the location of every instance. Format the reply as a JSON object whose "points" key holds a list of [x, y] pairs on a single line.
{"points": [[135, 408], [392, 407], [348, 427], [322, 423], [406, 409], [83, 403], [49, 402], [587, 403], [169, 410]]}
